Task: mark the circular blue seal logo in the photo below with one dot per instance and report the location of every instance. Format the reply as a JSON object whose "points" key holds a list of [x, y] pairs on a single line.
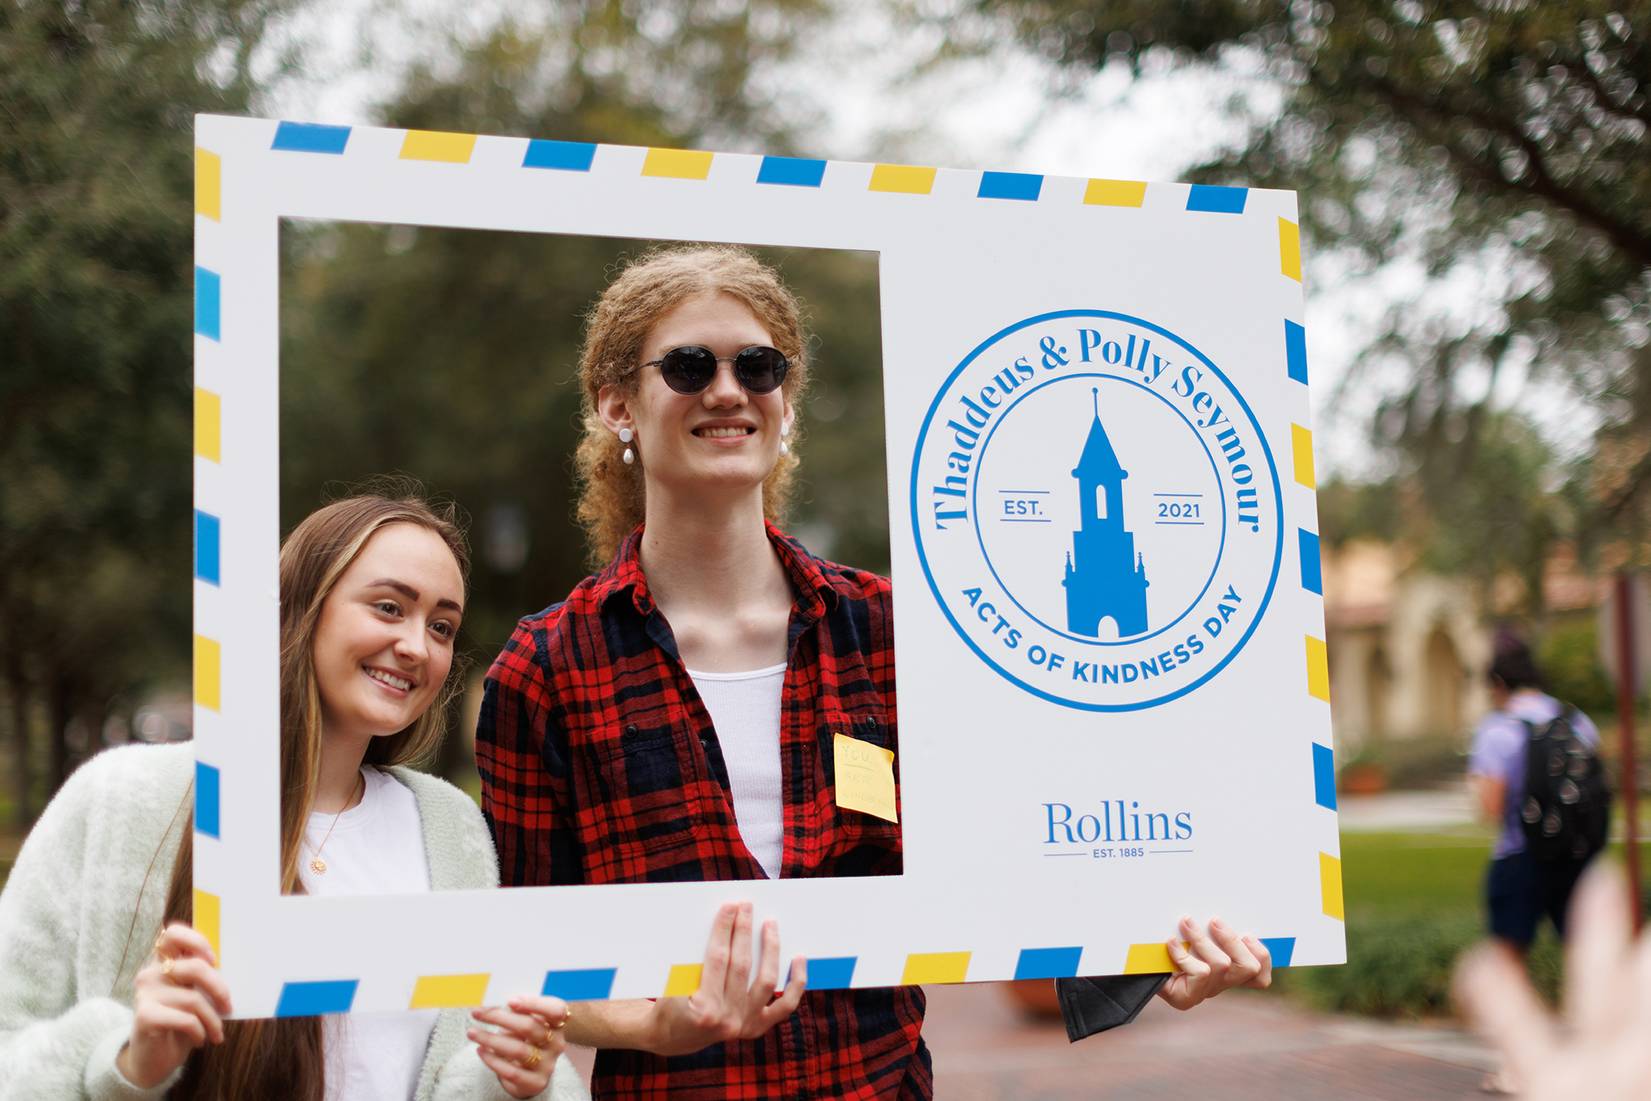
{"points": [[1096, 510]]}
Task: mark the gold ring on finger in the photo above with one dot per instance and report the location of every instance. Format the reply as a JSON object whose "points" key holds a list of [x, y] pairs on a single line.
{"points": [[166, 967], [531, 1059]]}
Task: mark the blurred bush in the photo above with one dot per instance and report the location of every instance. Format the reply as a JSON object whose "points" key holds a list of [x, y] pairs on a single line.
{"points": [[1569, 658]]}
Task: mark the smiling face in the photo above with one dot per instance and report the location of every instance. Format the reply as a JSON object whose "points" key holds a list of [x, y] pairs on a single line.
{"points": [[720, 440], [384, 641]]}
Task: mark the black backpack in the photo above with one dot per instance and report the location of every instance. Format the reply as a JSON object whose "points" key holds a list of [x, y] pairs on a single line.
{"points": [[1567, 808]]}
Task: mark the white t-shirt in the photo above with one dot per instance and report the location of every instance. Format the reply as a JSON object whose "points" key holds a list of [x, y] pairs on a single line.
{"points": [[745, 709], [375, 848]]}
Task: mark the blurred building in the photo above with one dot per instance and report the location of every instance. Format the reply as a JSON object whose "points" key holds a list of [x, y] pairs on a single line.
{"points": [[1408, 648]]}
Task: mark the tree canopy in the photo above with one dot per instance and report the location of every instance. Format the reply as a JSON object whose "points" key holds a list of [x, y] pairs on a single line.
{"points": [[451, 354], [1502, 144], [96, 178]]}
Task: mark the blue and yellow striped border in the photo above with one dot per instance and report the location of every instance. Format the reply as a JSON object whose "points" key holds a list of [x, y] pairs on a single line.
{"points": [[802, 173], [300, 999], [797, 175]]}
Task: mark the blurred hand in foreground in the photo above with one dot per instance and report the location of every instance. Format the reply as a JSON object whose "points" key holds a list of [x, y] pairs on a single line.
{"points": [[1599, 1050]]}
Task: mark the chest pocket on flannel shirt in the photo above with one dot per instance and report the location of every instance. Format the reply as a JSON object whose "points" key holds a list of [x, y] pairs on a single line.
{"points": [[863, 844], [646, 815]]}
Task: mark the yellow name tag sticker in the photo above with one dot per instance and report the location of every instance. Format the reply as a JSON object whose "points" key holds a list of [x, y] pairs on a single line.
{"points": [[865, 777]]}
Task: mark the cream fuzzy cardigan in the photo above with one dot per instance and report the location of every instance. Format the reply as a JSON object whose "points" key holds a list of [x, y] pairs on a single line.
{"points": [[83, 905]]}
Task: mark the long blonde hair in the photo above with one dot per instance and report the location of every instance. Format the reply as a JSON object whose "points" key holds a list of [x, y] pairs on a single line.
{"points": [[611, 491], [283, 1057]]}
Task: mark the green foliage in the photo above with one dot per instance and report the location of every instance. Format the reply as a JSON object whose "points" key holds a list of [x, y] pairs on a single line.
{"points": [[1491, 508], [1351, 510], [1414, 903], [1395, 970], [96, 179], [1505, 146], [1414, 763], [1569, 659]]}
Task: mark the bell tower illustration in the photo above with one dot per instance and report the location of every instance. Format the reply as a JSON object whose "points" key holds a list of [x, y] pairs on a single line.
{"points": [[1105, 576]]}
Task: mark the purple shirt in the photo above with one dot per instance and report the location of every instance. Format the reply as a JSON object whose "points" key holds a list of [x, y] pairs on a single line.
{"points": [[1499, 753]]}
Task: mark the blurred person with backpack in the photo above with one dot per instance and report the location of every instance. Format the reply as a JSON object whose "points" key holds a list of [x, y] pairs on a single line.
{"points": [[1534, 770]]}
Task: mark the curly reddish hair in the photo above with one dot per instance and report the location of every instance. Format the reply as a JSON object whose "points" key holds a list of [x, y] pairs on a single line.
{"points": [[611, 494]]}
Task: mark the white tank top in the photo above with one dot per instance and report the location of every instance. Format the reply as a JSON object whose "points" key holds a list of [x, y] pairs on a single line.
{"points": [[745, 709], [376, 848]]}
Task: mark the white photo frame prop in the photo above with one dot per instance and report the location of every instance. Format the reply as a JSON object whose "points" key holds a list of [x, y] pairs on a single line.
{"points": [[1108, 369]]}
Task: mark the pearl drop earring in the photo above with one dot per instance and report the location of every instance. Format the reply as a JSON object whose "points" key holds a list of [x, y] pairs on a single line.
{"points": [[785, 448], [625, 437]]}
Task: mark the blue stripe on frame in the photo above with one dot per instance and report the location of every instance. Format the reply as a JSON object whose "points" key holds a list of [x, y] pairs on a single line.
{"points": [[1217, 200], [206, 546], [831, 973], [307, 999], [593, 984], [794, 171], [1010, 185], [309, 137], [1295, 351], [208, 294], [1048, 963], [1324, 776], [1312, 570], [206, 799], [1282, 949], [565, 156]]}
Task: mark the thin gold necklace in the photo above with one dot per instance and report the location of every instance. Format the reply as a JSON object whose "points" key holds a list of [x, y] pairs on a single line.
{"points": [[317, 865]]}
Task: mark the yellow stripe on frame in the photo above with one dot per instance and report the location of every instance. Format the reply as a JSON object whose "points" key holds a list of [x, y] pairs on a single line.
{"points": [[1148, 959], [1318, 669], [1115, 193], [936, 967], [207, 919], [446, 991], [683, 979], [1330, 885], [209, 184], [1301, 448], [677, 164], [1289, 248], [209, 414], [906, 179], [208, 662], [437, 145]]}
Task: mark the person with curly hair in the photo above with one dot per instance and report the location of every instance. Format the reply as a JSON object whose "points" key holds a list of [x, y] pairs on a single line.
{"points": [[674, 717]]}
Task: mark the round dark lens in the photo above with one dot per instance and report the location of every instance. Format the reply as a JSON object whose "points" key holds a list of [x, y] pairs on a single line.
{"points": [[761, 370], [688, 370]]}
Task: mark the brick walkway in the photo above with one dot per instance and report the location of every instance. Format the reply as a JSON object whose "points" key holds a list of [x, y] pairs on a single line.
{"points": [[1241, 1047]]}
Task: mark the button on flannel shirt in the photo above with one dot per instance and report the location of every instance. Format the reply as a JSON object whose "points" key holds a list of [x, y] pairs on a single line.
{"points": [[599, 764]]}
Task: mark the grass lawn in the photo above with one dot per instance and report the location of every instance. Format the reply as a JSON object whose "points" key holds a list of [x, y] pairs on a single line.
{"points": [[1414, 901]]}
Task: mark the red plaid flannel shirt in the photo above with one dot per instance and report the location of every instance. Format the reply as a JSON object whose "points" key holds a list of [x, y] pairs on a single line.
{"points": [[599, 764]]}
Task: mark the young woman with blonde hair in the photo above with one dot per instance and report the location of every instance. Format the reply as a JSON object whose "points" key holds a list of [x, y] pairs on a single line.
{"points": [[107, 992]]}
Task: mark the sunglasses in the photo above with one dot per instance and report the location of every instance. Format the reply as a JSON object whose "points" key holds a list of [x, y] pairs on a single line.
{"points": [[690, 369]]}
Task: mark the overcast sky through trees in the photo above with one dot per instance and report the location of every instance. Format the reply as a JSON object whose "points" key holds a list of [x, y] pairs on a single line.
{"points": [[864, 91]]}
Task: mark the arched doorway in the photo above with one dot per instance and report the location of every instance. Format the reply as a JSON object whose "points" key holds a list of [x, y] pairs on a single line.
{"points": [[1444, 681], [1378, 680]]}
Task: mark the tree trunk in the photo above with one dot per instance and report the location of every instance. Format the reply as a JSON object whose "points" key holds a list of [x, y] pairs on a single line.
{"points": [[59, 713], [17, 696]]}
